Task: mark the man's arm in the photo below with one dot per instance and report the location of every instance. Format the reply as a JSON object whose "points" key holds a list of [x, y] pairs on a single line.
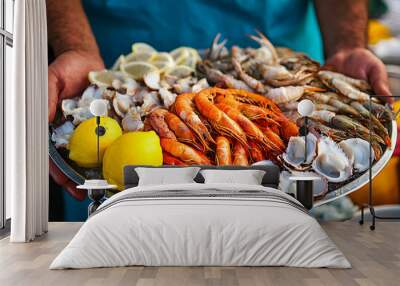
{"points": [[68, 27], [76, 54], [343, 26], [75, 49]]}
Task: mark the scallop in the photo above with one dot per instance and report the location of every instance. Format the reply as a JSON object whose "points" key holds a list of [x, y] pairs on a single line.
{"points": [[331, 161], [358, 152], [295, 157]]}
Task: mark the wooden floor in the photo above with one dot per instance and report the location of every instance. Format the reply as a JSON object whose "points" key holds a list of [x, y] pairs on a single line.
{"points": [[375, 257]]}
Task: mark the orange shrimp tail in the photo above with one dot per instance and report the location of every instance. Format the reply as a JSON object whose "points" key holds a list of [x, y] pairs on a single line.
{"points": [[168, 159], [256, 152], [288, 129], [221, 122], [223, 153], [240, 157], [184, 152], [184, 108]]}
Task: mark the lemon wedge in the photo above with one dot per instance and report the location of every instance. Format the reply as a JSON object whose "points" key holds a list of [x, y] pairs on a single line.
{"points": [[185, 56], [117, 63], [102, 78], [179, 71], [137, 70], [162, 61], [136, 57], [162, 57], [143, 48]]}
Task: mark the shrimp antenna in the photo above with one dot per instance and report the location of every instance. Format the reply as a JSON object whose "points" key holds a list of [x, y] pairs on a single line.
{"points": [[216, 48], [263, 41]]}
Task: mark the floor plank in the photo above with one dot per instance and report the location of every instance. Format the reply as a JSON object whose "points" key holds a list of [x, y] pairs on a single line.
{"points": [[375, 257]]}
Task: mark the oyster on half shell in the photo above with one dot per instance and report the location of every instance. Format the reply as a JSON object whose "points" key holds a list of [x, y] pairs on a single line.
{"points": [[295, 157], [357, 150], [331, 161]]}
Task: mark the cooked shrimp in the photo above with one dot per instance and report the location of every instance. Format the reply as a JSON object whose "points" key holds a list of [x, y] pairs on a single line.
{"points": [[217, 77], [223, 153], [183, 152], [251, 129], [289, 93], [240, 157], [256, 153], [157, 122], [168, 159], [184, 108], [357, 83], [376, 124], [221, 122], [249, 80]]}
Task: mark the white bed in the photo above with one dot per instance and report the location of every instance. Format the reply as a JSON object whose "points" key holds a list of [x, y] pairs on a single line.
{"points": [[201, 224]]}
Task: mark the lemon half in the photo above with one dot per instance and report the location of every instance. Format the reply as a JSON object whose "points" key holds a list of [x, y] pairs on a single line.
{"points": [[132, 148], [137, 70], [83, 142], [180, 71]]}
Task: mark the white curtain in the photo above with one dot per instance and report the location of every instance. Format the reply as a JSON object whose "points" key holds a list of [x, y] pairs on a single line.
{"points": [[26, 124]]}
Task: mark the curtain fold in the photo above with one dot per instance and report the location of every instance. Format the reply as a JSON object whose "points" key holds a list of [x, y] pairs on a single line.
{"points": [[27, 127]]}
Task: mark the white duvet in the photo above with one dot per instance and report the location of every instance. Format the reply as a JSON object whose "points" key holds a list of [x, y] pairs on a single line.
{"points": [[201, 230]]}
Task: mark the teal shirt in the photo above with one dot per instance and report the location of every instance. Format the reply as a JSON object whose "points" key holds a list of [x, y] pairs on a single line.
{"points": [[167, 24]]}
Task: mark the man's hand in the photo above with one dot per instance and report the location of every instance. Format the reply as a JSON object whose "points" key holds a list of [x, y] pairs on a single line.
{"points": [[343, 25], [363, 64], [74, 45], [68, 76]]}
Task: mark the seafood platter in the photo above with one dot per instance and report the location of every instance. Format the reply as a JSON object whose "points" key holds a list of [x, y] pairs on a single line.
{"points": [[236, 106]]}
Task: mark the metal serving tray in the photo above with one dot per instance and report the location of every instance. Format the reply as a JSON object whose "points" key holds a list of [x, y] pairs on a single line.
{"points": [[359, 181]]}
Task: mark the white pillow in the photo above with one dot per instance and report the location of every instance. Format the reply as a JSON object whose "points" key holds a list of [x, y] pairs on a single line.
{"points": [[247, 177], [163, 176]]}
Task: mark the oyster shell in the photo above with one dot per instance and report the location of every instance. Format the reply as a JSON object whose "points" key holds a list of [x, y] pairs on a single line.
{"points": [[121, 104], [152, 80], [331, 161], [130, 85], [91, 93], [294, 157], [151, 101], [357, 150], [167, 97], [132, 121], [80, 114], [61, 134], [68, 106]]}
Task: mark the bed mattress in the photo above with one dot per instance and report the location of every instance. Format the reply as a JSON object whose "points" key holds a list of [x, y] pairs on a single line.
{"points": [[201, 225]]}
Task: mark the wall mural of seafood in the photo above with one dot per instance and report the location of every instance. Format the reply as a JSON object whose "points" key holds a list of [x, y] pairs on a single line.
{"points": [[234, 106]]}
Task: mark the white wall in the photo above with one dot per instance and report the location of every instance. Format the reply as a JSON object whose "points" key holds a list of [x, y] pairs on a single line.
{"points": [[9, 63], [9, 25]]}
